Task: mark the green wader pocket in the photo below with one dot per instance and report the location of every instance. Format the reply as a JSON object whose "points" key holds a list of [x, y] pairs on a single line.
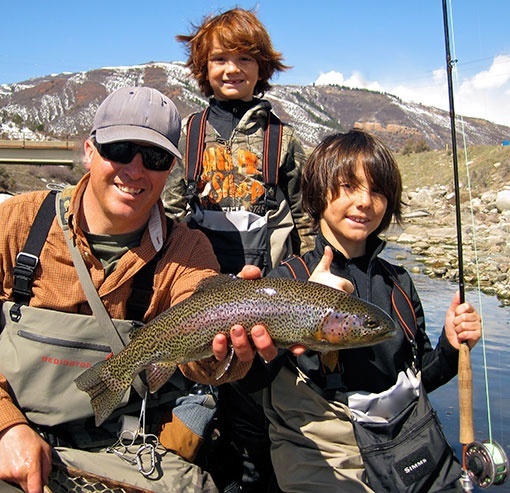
{"points": [[43, 351]]}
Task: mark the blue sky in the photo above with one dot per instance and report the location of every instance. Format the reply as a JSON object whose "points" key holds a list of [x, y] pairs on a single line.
{"points": [[396, 46]]}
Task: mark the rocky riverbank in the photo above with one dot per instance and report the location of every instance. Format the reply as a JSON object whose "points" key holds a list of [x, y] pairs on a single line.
{"points": [[430, 229]]}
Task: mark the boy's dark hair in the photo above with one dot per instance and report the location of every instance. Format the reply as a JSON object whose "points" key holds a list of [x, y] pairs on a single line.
{"points": [[235, 30], [334, 161]]}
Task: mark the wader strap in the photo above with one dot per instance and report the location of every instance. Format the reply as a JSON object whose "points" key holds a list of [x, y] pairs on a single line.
{"points": [[195, 144], [401, 303], [403, 307], [112, 335], [271, 158], [297, 267], [28, 259]]}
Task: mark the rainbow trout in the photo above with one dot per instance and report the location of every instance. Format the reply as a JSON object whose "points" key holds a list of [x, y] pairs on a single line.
{"points": [[294, 312]]}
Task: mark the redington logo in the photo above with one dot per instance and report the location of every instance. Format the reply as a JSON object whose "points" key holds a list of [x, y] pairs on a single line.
{"points": [[66, 362]]}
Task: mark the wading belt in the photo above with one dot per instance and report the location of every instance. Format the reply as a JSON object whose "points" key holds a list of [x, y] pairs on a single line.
{"points": [[195, 145]]}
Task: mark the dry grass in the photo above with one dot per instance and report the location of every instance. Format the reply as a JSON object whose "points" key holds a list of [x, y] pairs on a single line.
{"points": [[488, 168]]}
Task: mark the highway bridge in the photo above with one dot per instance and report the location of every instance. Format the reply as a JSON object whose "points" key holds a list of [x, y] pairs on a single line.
{"points": [[50, 152]]}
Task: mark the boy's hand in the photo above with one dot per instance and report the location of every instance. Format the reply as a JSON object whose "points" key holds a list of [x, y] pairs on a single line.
{"points": [[462, 323], [322, 274]]}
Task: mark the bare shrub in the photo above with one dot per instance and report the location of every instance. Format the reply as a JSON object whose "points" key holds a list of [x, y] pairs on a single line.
{"points": [[7, 183], [59, 174]]}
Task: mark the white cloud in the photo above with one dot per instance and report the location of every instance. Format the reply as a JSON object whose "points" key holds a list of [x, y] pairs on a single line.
{"points": [[355, 81], [497, 76], [485, 95], [330, 79]]}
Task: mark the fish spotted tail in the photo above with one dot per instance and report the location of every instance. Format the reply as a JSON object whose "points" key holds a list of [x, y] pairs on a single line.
{"points": [[104, 397]]}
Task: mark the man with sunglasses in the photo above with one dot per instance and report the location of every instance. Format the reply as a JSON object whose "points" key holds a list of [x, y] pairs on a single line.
{"points": [[116, 221]]}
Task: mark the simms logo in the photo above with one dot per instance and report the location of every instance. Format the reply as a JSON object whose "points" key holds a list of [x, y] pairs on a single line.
{"points": [[412, 467], [66, 362], [416, 465]]}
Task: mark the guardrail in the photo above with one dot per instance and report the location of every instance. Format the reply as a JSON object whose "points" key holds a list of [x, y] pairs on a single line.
{"points": [[37, 144], [54, 152]]}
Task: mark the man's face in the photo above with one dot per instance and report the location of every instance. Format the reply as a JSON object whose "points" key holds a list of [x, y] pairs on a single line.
{"points": [[119, 197]]}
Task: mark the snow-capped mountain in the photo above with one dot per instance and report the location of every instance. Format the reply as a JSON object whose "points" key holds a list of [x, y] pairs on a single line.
{"points": [[62, 106]]}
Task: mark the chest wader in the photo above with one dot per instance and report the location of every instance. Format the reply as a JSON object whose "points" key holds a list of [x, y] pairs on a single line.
{"points": [[43, 351], [406, 452], [241, 237]]}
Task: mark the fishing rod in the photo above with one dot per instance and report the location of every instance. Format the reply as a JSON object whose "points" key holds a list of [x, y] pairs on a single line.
{"points": [[485, 463]]}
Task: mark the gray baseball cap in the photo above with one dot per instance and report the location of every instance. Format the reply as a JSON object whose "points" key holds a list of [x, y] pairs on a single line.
{"points": [[138, 114]]}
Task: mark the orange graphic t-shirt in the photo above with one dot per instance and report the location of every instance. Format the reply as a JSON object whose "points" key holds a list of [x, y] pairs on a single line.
{"points": [[228, 185]]}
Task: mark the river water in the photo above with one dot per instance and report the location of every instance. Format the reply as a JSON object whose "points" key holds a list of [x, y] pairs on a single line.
{"points": [[490, 360]]}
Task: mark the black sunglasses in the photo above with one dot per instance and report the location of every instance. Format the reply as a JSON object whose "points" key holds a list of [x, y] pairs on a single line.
{"points": [[154, 158]]}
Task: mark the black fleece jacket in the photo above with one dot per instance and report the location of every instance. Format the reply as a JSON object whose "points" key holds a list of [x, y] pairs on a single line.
{"points": [[375, 368]]}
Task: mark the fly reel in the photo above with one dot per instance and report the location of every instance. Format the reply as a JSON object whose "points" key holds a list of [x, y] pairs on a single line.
{"points": [[486, 463]]}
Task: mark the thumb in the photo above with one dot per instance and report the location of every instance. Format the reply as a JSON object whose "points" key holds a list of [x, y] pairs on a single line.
{"points": [[450, 313], [322, 273], [455, 301], [250, 272], [325, 263]]}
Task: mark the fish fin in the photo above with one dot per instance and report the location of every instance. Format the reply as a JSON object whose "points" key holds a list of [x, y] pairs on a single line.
{"points": [[103, 397], [214, 281], [330, 359], [227, 362], [158, 374]]}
